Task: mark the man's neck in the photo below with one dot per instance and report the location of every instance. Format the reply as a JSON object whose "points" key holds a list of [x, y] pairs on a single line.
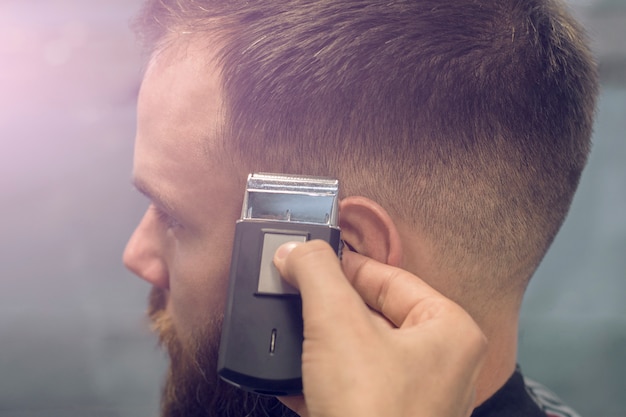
{"points": [[497, 319], [501, 356]]}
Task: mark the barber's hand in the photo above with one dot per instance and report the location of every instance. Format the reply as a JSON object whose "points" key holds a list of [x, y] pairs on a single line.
{"points": [[423, 360]]}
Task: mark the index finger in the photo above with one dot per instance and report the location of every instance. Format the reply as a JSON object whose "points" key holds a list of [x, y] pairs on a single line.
{"points": [[394, 292]]}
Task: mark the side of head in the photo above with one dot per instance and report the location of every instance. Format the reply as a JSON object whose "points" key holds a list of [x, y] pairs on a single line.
{"points": [[469, 123]]}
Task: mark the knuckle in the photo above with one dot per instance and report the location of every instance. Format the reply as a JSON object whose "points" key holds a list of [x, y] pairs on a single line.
{"points": [[311, 250], [311, 253], [384, 290]]}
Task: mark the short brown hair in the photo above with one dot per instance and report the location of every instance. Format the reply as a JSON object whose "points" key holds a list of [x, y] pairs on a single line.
{"points": [[469, 119]]}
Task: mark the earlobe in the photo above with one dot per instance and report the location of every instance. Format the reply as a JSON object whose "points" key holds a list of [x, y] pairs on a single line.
{"points": [[368, 228]]}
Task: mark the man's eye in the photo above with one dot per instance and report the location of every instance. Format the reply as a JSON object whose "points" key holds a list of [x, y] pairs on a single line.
{"points": [[165, 219]]}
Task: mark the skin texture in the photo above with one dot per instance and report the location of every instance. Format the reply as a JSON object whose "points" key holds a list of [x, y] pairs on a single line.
{"points": [[421, 347]]}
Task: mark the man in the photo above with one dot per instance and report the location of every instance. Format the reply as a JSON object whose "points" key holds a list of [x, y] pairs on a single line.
{"points": [[458, 131]]}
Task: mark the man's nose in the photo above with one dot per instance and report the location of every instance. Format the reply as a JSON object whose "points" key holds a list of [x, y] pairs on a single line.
{"points": [[144, 253]]}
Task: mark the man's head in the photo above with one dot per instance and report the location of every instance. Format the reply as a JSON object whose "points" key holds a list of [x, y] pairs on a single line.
{"points": [[466, 124]]}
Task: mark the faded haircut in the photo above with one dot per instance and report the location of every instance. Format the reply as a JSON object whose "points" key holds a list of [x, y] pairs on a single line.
{"points": [[468, 120]]}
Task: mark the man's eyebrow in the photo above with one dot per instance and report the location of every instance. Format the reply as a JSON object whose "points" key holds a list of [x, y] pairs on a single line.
{"points": [[155, 197]]}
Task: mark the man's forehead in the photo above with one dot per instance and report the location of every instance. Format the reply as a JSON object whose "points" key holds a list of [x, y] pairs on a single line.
{"points": [[180, 118], [197, 53], [185, 59], [181, 94]]}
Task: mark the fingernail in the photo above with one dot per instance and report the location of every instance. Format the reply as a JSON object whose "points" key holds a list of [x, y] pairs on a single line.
{"points": [[284, 250]]}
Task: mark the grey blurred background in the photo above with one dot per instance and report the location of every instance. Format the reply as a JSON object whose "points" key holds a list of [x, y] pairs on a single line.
{"points": [[73, 338]]}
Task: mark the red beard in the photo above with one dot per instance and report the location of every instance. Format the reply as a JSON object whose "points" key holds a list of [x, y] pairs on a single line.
{"points": [[192, 387]]}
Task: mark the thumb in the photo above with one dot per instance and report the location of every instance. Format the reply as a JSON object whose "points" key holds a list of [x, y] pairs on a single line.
{"points": [[314, 268]]}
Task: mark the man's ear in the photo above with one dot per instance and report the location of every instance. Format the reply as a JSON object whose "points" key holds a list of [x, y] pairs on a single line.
{"points": [[369, 230]]}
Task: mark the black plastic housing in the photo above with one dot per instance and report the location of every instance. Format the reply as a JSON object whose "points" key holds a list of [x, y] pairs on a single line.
{"points": [[261, 343]]}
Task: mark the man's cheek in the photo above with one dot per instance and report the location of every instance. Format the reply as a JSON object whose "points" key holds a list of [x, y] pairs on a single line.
{"points": [[194, 314]]}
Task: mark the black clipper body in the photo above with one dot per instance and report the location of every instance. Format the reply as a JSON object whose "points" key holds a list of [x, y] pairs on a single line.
{"points": [[261, 344]]}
